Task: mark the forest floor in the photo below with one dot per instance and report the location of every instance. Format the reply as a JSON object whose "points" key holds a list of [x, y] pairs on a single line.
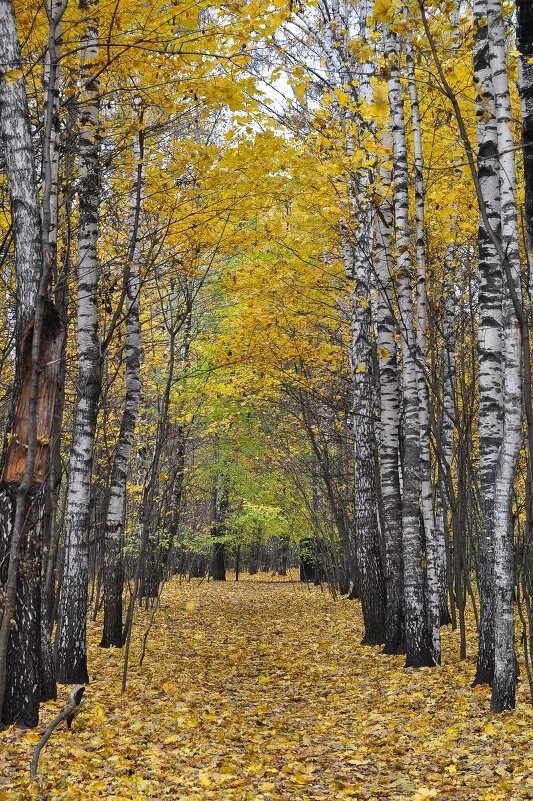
{"points": [[260, 691]]}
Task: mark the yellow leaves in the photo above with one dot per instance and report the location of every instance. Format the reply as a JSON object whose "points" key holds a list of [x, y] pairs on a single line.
{"points": [[380, 101], [97, 786], [424, 794], [227, 769], [385, 10], [33, 737], [361, 367], [190, 606], [275, 700], [381, 10], [383, 352], [14, 75], [343, 98]]}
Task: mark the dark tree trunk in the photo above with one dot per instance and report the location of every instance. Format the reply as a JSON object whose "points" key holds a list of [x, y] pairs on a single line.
{"points": [[253, 560], [23, 690], [198, 566], [48, 688], [283, 558], [218, 563], [220, 502], [308, 569], [237, 562], [524, 37], [151, 573]]}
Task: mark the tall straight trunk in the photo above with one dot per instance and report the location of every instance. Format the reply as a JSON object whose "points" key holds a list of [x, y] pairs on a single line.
{"points": [[113, 568], [524, 41], [71, 633], [52, 565], [389, 437], [357, 231], [50, 174], [323, 470], [181, 432], [447, 420], [19, 644], [435, 549], [179, 484], [144, 575], [368, 546], [489, 339], [419, 646], [372, 585], [220, 501], [504, 681]]}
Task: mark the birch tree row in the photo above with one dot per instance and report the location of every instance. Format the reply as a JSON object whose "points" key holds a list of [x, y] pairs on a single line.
{"points": [[267, 298], [415, 531]]}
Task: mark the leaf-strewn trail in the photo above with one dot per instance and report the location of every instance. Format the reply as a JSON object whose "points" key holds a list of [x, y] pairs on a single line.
{"points": [[259, 690]]}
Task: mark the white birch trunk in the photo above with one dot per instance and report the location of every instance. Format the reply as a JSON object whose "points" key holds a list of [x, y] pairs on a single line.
{"points": [[112, 631], [435, 550], [419, 646], [389, 440], [19, 644], [447, 426], [357, 242], [504, 682], [71, 634], [489, 338]]}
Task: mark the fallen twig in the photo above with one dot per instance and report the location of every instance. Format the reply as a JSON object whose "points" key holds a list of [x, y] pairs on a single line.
{"points": [[67, 714]]}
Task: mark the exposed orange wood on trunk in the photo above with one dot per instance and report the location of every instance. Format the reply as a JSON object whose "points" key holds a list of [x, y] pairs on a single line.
{"points": [[17, 447]]}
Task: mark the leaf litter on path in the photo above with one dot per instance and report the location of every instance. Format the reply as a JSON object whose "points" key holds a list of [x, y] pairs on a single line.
{"points": [[260, 691]]}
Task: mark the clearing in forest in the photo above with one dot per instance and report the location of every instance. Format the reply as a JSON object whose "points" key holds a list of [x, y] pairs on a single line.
{"points": [[260, 690]]}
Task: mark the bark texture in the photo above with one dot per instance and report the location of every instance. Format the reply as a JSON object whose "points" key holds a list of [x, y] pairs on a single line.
{"points": [[489, 337], [390, 408], [71, 633], [113, 568], [19, 550], [419, 646], [504, 682]]}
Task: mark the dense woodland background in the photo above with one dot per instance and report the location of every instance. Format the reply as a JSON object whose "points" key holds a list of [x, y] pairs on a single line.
{"points": [[266, 301]]}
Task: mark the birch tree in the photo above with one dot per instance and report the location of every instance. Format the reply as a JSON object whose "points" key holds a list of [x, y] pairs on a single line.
{"points": [[434, 547], [490, 335], [112, 632], [419, 641], [357, 242], [50, 220], [71, 636], [390, 407], [504, 681], [24, 460]]}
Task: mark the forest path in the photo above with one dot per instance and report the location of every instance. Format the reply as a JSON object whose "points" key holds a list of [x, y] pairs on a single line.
{"points": [[260, 691]]}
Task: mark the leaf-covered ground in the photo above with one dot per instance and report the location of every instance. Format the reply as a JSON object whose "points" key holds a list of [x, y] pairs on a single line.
{"points": [[260, 691]]}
